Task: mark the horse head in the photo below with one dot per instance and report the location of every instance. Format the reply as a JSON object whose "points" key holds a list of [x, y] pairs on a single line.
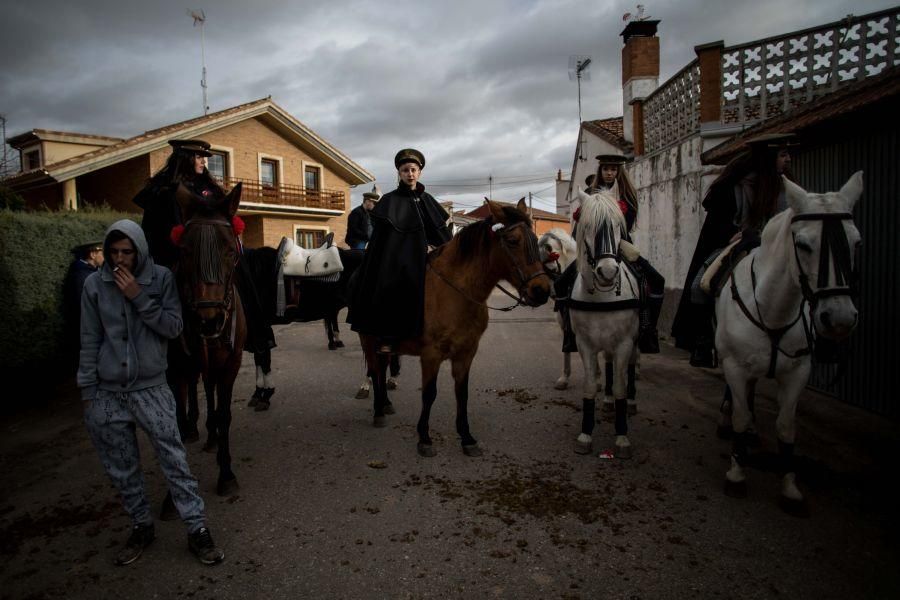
{"points": [[600, 229], [208, 254], [557, 250], [515, 254], [826, 242]]}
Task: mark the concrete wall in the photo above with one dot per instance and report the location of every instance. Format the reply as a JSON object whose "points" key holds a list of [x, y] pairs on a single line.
{"points": [[670, 185]]}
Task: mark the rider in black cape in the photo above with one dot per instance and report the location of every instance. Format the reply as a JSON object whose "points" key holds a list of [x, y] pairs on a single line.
{"points": [[388, 298]]}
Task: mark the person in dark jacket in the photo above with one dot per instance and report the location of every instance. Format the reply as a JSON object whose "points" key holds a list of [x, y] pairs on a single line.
{"points": [[388, 299], [187, 165], [359, 221], [88, 258], [738, 205], [129, 312]]}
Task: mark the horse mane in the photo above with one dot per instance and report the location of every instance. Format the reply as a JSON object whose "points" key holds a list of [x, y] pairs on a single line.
{"points": [[473, 239], [567, 244], [599, 208]]}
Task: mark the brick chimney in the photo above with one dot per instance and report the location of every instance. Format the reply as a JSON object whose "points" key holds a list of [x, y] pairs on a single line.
{"points": [[640, 68]]}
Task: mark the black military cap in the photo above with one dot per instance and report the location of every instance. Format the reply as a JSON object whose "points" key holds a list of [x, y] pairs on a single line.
{"points": [[85, 249], [409, 155], [611, 159], [374, 195], [195, 146]]}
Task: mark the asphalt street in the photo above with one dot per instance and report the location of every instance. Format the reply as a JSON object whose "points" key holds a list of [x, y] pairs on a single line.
{"points": [[330, 507]]}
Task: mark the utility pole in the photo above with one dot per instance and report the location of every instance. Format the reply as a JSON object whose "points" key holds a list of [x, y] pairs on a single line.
{"points": [[200, 17], [530, 211], [491, 187], [5, 164]]}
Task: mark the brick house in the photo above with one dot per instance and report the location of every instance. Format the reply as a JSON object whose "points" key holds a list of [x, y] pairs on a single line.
{"points": [[295, 183]]}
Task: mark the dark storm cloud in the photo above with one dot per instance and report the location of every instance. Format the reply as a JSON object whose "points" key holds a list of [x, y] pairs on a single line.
{"points": [[481, 87]]}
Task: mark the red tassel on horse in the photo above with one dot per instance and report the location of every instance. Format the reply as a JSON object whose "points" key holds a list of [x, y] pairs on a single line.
{"points": [[237, 224], [175, 234]]}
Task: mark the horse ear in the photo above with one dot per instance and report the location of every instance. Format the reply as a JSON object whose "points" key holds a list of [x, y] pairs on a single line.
{"points": [[794, 194], [496, 211], [329, 240], [521, 205], [233, 199], [853, 189]]}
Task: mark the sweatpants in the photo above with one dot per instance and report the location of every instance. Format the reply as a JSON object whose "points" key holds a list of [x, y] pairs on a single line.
{"points": [[112, 419]]}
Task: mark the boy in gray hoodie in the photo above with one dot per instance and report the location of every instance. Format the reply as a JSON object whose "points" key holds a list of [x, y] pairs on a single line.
{"points": [[129, 312]]}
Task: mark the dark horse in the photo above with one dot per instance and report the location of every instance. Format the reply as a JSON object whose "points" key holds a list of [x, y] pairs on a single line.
{"points": [[459, 279], [214, 326]]}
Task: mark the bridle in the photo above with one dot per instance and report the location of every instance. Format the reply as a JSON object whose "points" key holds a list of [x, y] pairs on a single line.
{"points": [[605, 240], [532, 255], [226, 303], [833, 242]]}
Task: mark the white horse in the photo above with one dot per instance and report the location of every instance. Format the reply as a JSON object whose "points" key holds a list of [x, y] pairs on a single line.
{"points": [[558, 251], [604, 311], [794, 287]]}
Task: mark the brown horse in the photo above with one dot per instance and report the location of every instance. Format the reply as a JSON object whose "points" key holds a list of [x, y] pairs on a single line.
{"points": [[214, 326], [460, 276]]}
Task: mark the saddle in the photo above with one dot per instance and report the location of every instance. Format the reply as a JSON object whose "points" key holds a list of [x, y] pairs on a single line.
{"points": [[718, 271], [297, 265]]}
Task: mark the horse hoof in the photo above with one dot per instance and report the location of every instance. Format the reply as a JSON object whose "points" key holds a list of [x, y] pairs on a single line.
{"points": [[362, 393], [190, 437], [389, 409], [561, 385], [262, 405], [724, 432], [624, 452], [227, 487], [472, 450], [332, 346], [609, 407], [735, 489], [632, 409], [426, 450], [795, 508], [583, 447], [210, 446], [391, 383], [379, 421], [339, 344]]}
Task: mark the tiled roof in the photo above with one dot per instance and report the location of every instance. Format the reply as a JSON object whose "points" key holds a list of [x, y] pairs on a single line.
{"points": [[851, 98], [612, 130], [160, 132], [536, 213]]}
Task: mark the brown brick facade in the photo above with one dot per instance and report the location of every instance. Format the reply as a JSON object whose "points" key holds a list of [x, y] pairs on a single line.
{"points": [[640, 58], [710, 58], [115, 185]]}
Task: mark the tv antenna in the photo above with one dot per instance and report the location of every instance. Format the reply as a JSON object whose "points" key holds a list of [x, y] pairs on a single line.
{"points": [[578, 70], [200, 18]]}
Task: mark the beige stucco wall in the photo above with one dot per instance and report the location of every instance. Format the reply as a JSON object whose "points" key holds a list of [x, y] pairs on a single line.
{"points": [[54, 152]]}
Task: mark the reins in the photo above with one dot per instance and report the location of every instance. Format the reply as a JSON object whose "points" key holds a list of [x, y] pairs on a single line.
{"points": [[501, 232], [833, 242]]}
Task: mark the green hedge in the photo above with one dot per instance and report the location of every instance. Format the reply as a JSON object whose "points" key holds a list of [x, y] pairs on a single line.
{"points": [[34, 257]]}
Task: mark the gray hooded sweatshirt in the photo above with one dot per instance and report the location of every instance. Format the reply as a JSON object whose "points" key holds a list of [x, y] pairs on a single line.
{"points": [[124, 342]]}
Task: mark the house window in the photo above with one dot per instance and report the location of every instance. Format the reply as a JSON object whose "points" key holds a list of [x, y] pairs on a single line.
{"points": [[32, 160], [218, 166], [268, 172], [309, 238], [311, 177]]}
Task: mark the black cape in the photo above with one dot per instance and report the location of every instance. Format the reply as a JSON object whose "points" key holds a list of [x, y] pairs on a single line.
{"points": [[388, 296], [161, 214], [718, 228], [357, 226]]}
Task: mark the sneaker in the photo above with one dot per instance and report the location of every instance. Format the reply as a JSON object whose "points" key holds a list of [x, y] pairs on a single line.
{"points": [[201, 545], [140, 538]]}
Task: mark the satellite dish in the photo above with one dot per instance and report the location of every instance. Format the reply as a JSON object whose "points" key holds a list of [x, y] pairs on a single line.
{"points": [[578, 67]]}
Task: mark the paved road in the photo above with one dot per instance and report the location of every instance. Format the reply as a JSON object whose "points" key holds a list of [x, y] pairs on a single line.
{"points": [[530, 519]]}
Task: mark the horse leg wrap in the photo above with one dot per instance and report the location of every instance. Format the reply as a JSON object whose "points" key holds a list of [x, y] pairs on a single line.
{"points": [[785, 457], [621, 416], [630, 389], [739, 448], [588, 405]]}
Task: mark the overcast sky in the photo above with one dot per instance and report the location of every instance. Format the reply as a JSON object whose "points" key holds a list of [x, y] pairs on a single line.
{"points": [[481, 87]]}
